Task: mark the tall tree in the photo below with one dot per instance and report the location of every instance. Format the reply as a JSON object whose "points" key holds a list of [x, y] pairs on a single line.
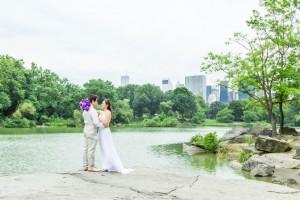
{"points": [[184, 102], [270, 57]]}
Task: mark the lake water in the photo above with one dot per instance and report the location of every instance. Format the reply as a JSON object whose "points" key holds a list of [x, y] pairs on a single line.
{"points": [[54, 150]]}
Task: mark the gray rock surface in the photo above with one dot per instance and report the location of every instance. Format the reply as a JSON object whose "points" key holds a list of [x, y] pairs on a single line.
{"points": [[234, 133], [254, 161], [141, 184], [251, 149], [263, 170], [297, 155], [271, 145], [189, 149], [289, 131]]}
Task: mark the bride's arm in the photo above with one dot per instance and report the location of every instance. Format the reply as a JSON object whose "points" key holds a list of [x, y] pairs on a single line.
{"points": [[108, 119]]}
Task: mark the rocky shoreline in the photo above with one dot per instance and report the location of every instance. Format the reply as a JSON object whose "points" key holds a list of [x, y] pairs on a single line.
{"points": [[143, 183]]}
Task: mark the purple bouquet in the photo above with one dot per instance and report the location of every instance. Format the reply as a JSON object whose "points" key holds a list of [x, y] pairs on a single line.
{"points": [[85, 105]]}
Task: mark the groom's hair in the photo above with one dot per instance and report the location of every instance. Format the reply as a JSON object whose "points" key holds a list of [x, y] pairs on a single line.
{"points": [[92, 98]]}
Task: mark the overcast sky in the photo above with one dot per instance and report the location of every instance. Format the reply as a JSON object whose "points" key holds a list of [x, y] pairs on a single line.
{"points": [[148, 40]]}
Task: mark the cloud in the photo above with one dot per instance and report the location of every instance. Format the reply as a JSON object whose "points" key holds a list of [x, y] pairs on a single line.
{"points": [[149, 40]]}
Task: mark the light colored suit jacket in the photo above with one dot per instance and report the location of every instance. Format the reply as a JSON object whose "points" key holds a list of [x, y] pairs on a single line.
{"points": [[91, 123]]}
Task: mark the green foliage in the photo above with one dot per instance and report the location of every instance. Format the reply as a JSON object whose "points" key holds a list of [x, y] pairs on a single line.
{"points": [[250, 140], [197, 140], [17, 123], [237, 108], [127, 92], [122, 112], [184, 102], [243, 156], [147, 100], [27, 110], [212, 142], [78, 119], [214, 108], [250, 116], [160, 121], [225, 116], [166, 107], [199, 117]]}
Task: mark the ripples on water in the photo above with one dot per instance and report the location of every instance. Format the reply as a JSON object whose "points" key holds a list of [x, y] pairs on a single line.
{"points": [[161, 148]]}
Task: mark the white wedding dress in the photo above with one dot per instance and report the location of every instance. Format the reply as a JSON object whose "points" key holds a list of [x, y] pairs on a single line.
{"points": [[108, 154]]}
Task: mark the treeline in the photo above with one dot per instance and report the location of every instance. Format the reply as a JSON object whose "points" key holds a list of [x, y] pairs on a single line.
{"points": [[36, 96]]}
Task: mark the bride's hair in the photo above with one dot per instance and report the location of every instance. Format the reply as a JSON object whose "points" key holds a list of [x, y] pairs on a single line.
{"points": [[107, 102]]}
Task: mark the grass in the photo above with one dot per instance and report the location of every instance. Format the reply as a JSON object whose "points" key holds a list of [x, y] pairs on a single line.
{"points": [[212, 122]]}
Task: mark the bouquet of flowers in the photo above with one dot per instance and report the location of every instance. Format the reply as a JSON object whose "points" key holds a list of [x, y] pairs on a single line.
{"points": [[85, 105]]}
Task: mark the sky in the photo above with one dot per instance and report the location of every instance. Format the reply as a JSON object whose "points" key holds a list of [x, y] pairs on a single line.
{"points": [[147, 40]]}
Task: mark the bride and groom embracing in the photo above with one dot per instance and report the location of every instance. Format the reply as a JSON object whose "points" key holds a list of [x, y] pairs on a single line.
{"points": [[96, 129]]}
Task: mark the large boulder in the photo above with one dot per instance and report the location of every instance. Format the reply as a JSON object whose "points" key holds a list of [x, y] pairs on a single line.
{"points": [[263, 170], [254, 161], [260, 130], [289, 131], [271, 145], [251, 149], [297, 155], [235, 133]]}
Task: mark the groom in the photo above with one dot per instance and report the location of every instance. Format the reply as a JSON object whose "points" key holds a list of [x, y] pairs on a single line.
{"points": [[91, 123]]}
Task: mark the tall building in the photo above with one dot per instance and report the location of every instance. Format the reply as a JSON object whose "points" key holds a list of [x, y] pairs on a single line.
{"points": [[124, 80], [196, 84], [208, 92], [232, 96], [166, 85], [242, 94], [216, 91], [224, 92]]}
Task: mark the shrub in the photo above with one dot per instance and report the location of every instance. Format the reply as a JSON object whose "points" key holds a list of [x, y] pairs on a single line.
{"points": [[197, 140], [249, 139], [17, 123], [199, 117], [212, 142], [157, 122], [225, 116], [250, 116], [244, 156]]}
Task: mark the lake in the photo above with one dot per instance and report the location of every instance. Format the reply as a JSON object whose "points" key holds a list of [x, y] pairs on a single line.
{"points": [[55, 150]]}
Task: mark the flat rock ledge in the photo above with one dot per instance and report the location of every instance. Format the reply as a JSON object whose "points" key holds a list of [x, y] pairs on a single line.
{"points": [[143, 183]]}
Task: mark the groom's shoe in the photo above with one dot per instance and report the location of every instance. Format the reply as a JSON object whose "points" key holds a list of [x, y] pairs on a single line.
{"points": [[94, 170]]}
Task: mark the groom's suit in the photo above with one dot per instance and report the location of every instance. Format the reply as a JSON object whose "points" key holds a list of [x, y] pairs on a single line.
{"points": [[91, 123]]}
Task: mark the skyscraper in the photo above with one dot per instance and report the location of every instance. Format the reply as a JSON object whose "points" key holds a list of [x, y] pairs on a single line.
{"points": [[242, 94], [166, 85], [208, 91], [232, 96], [196, 84], [124, 80], [179, 84], [216, 91], [224, 92]]}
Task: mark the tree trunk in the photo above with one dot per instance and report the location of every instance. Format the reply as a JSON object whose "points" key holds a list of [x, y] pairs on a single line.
{"points": [[281, 117], [273, 122]]}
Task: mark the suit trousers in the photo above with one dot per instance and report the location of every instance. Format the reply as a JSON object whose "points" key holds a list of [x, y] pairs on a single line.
{"points": [[89, 152]]}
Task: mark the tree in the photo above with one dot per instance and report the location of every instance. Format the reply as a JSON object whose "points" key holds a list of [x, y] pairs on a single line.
{"points": [[147, 100], [127, 92], [237, 108], [214, 108], [250, 116], [184, 102], [166, 107], [270, 63], [225, 116], [103, 89], [12, 81], [122, 113], [201, 102]]}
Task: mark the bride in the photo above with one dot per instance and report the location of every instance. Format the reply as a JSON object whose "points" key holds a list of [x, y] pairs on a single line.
{"points": [[109, 156]]}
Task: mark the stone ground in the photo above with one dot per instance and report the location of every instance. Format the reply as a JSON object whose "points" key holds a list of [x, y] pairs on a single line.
{"points": [[143, 183]]}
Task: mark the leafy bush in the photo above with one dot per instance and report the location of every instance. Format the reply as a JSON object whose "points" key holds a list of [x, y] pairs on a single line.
{"points": [[249, 139], [199, 117], [244, 156], [156, 122], [212, 142], [225, 116], [197, 140], [250, 116], [17, 123]]}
